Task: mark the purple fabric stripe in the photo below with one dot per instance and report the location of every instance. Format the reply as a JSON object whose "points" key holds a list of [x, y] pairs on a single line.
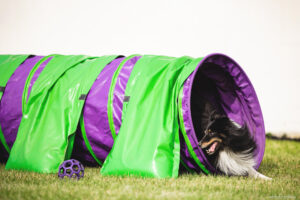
{"points": [[95, 112], [80, 152], [241, 105], [37, 74], [11, 103], [119, 91], [246, 107]]}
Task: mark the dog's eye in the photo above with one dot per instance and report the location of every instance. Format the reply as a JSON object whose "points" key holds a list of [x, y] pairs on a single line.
{"points": [[209, 131]]}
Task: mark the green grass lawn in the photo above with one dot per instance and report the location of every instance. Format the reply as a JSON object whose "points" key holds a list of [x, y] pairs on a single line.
{"points": [[281, 162]]}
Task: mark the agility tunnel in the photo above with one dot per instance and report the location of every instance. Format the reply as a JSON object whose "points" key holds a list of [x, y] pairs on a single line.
{"points": [[131, 115]]}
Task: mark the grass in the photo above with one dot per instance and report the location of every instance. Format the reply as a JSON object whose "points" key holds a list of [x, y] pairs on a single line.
{"points": [[281, 162]]}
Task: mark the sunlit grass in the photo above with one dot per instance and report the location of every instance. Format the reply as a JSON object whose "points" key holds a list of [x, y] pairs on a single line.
{"points": [[281, 162]]}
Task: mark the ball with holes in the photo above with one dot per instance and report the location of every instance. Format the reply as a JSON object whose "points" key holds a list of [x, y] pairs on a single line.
{"points": [[72, 169]]}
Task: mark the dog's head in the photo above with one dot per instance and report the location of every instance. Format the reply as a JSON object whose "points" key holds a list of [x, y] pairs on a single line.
{"points": [[216, 134]]}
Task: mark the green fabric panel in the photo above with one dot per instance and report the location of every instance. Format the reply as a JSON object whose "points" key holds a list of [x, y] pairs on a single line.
{"points": [[148, 142], [69, 150], [28, 80], [3, 141], [52, 112], [8, 64], [50, 74]]}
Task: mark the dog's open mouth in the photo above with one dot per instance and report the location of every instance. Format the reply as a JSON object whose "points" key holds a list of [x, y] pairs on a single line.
{"points": [[211, 146]]}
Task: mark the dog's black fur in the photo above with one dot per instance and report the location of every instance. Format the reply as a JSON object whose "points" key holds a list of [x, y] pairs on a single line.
{"points": [[228, 146], [237, 139]]}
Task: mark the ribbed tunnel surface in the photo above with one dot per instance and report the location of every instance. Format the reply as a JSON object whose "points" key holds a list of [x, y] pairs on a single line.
{"points": [[216, 78]]}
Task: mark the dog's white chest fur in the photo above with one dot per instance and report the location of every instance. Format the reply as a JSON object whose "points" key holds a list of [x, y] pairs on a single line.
{"points": [[235, 163], [239, 164]]}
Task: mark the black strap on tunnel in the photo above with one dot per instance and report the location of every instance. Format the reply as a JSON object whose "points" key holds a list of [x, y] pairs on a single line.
{"points": [[119, 56], [82, 97], [126, 98], [2, 89]]}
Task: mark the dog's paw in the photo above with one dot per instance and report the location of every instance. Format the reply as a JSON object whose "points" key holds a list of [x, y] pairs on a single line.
{"points": [[255, 174], [261, 176]]}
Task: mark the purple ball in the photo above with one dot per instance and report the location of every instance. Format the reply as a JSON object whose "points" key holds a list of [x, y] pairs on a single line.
{"points": [[71, 168]]}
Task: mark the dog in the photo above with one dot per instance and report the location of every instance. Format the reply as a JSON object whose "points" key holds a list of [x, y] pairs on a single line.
{"points": [[228, 146]]}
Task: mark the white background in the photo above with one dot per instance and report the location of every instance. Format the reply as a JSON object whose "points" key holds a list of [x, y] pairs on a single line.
{"points": [[263, 36]]}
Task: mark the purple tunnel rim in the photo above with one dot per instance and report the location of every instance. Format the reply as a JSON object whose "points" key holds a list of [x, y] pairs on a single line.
{"points": [[190, 157], [259, 135]]}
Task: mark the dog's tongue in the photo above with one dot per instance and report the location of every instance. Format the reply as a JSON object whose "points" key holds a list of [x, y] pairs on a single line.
{"points": [[212, 148]]}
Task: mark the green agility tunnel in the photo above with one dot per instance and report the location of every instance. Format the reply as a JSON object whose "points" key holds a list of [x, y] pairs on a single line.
{"points": [[131, 115]]}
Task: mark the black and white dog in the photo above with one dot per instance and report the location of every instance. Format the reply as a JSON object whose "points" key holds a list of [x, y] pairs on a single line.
{"points": [[228, 146]]}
